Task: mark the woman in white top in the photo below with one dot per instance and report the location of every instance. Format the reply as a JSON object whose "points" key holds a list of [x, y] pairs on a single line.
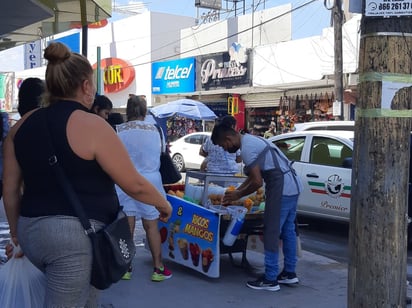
{"points": [[141, 138], [217, 159]]}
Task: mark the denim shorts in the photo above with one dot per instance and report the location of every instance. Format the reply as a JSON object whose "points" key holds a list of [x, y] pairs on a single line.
{"points": [[59, 247]]}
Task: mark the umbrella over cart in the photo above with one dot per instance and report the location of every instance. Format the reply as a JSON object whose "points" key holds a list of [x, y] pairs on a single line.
{"points": [[187, 108]]}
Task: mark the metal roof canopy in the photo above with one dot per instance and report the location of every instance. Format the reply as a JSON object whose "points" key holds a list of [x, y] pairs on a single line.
{"points": [[24, 21]]}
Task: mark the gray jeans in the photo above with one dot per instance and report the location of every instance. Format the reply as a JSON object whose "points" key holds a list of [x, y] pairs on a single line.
{"points": [[58, 246]]}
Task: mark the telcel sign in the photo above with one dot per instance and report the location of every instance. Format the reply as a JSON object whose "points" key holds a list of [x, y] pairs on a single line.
{"points": [[175, 76]]}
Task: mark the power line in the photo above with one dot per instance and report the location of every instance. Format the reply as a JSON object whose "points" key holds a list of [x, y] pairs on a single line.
{"points": [[221, 39]]}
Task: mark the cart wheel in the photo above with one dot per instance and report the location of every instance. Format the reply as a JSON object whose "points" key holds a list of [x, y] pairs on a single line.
{"points": [[179, 162]]}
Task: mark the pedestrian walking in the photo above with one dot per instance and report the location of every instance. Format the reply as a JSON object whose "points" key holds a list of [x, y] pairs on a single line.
{"points": [[271, 131], [41, 219], [266, 164], [102, 106], [141, 138], [115, 118], [30, 95]]}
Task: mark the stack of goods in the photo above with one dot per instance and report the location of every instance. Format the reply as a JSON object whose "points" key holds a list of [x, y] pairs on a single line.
{"points": [[177, 193], [175, 189], [250, 201]]}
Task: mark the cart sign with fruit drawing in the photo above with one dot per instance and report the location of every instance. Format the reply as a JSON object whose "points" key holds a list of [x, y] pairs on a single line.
{"points": [[191, 237]]}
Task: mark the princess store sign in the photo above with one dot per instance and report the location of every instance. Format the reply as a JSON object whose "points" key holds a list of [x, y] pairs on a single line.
{"points": [[225, 70]]}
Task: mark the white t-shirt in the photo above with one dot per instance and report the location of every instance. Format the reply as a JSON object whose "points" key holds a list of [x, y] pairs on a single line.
{"points": [[142, 141], [219, 160]]}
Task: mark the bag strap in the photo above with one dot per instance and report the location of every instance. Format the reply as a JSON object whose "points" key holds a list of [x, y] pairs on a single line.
{"points": [[276, 154], [162, 141], [64, 181]]}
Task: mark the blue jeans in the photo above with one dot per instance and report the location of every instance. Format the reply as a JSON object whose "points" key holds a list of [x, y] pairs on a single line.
{"points": [[59, 247], [288, 236]]}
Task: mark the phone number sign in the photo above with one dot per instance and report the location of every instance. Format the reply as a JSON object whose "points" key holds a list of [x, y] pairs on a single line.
{"points": [[388, 8]]}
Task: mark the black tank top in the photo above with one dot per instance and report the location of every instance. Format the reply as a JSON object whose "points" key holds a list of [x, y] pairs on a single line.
{"points": [[42, 194]]}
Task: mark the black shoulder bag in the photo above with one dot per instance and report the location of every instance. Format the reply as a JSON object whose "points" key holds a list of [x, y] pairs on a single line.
{"points": [[168, 170], [113, 246]]}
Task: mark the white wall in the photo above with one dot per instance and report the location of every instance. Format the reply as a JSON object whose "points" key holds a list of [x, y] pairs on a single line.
{"points": [[350, 46], [214, 37], [140, 40], [166, 35], [12, 59], [288, 62], [305, 59], [278, 29]]}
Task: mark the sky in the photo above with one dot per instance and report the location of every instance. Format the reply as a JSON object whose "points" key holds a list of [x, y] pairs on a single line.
{"points": [[306, 21]]}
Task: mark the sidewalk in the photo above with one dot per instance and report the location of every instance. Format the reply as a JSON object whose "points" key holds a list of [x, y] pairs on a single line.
{"points": [[323, 284]]}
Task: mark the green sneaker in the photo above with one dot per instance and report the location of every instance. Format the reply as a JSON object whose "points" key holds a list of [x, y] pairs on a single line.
{"points": [[127, 275], [160, 274]]}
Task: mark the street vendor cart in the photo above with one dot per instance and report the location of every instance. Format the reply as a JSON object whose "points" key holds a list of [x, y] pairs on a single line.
{"points": [[193, 235]]}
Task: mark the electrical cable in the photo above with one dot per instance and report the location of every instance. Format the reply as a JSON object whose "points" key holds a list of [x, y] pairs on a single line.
{"points": [[224, 38]]}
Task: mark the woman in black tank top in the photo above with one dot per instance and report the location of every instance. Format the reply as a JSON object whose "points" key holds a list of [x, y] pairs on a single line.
{"points": [[41, 220]]}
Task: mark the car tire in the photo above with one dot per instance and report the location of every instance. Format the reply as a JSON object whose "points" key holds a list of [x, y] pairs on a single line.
{"points": [[179, 162]]}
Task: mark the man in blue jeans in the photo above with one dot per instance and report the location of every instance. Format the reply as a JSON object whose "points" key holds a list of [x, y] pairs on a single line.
{"points": [[264, 162]]}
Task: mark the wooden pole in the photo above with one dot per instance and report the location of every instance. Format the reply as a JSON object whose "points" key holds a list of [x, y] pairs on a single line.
{"points": [[378, 218]]}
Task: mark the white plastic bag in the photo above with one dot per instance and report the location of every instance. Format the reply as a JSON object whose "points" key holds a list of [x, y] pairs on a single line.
{"points": [[21, 283]]}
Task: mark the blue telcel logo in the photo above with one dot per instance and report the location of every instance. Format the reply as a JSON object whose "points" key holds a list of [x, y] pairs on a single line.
{"points": [[175, 76]]}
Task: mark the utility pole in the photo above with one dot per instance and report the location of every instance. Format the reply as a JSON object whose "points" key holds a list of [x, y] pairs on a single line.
{"points": [[338, 59], [83, 16], [378, 217]]}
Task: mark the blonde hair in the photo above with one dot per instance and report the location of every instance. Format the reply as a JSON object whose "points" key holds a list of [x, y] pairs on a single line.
{"points": [[136, 106], [65, 71]]}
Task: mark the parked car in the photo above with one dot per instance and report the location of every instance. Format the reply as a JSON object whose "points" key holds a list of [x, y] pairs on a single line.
{"points": [[323, 160], [185, 150], [325, 125]]}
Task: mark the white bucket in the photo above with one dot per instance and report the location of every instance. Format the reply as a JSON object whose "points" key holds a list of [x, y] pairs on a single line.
{"points": [[238, 216]]}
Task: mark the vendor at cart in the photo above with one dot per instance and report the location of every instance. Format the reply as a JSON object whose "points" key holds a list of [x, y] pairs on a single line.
{"points": [[264, 162], [217, 160]]}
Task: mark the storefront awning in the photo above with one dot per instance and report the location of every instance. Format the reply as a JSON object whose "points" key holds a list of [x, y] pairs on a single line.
{"points": [[24, 21], [272, 99], [269, 96]]}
